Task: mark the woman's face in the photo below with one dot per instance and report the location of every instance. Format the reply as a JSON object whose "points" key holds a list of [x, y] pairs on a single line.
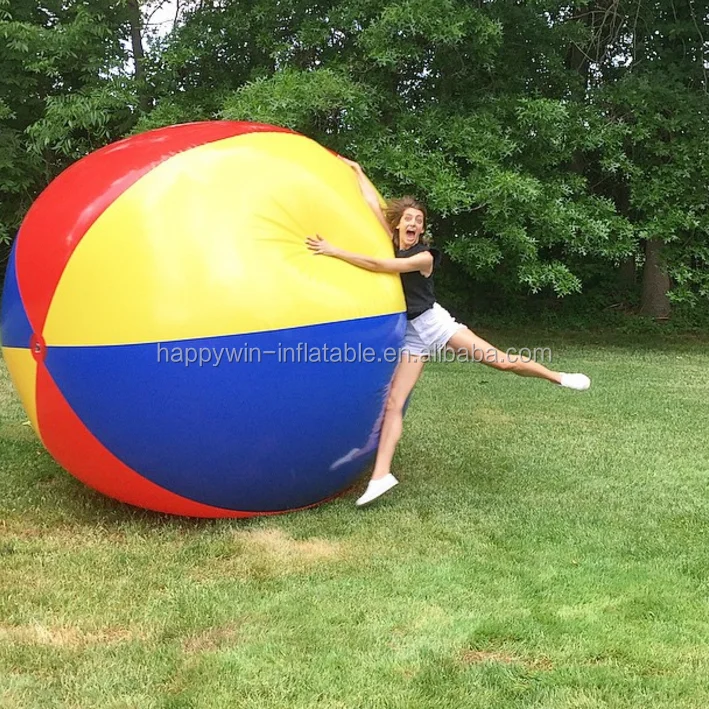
{"points": [[410, 227]]}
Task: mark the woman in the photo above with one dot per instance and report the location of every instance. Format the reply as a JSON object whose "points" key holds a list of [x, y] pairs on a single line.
{"points": [[430, 328]]}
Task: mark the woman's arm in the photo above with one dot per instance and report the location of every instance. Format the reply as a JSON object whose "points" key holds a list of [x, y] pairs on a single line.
{"points": [[422, 262], [369, 192]]}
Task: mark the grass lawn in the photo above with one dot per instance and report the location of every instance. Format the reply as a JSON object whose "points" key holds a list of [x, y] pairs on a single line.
{"points": [[546, 548]]}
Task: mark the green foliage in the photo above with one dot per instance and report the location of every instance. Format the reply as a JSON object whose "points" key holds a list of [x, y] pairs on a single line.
{"points": [[321, 102], [76, 124], [414, 33], [667, 174], [63, 92], [550, 140]]}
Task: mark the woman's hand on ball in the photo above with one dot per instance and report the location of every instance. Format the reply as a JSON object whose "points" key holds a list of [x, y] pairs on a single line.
{"points": [[318, 245]]}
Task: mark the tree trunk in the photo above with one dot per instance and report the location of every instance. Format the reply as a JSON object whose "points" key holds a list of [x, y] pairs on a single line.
{"points": [[136, 37], [656, 283]]}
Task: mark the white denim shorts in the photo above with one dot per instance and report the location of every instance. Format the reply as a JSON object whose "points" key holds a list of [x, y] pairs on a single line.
{"points": [[428, 333]]}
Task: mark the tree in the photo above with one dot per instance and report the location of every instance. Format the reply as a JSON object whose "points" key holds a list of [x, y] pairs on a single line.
{"points": [[543, 134], [551, 140], [66, 88], [651, 85], [445, 99]]}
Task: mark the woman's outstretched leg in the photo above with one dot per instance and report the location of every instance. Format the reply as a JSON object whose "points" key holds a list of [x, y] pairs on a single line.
{"points": [[481, 351], [407, 373]]}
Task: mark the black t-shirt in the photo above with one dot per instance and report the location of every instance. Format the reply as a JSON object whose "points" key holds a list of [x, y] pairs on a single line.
{"points": [[418, 290]]}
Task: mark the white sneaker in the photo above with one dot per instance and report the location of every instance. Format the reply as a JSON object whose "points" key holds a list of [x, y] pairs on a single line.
{"points": [[377, 488], [580, 382]]}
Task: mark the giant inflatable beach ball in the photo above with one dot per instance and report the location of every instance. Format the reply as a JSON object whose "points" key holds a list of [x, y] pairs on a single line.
{"points": [[175, 344]]}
